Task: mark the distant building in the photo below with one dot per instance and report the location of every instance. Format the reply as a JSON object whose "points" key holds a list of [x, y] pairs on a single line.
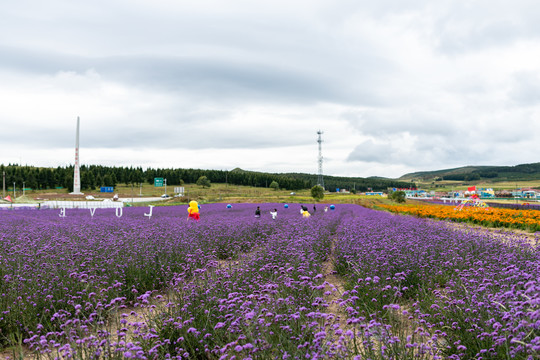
{"points": [[526, 193], [371, 193], [530, 194], [486, 194], [503, 194], [415, 193]]}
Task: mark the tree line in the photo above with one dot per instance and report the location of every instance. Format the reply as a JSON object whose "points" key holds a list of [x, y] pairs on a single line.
{"points": [[333, 183], [95, 176]]}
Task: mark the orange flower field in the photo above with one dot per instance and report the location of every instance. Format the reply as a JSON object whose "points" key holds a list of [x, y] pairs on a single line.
{"points": [[494, 217]]}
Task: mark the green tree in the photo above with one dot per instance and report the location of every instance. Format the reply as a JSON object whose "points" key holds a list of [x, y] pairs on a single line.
{"points": [[274, 185], [99, 181], [68, 182], [114, 180], [398, 196], [203, 181], [91, 180], [136, 177], [317, 192], [31, 181], [107, 180]]}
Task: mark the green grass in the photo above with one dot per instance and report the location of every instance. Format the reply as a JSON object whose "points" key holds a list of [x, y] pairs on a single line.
{"points": [[225, 193], [241, 194], [449, 185]]}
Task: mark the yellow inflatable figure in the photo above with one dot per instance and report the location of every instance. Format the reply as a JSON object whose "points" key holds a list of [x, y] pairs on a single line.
{"points": [[193, 210]]}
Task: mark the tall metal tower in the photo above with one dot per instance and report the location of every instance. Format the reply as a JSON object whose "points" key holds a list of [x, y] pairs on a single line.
{"points": [[76, 173], [320, 180]]}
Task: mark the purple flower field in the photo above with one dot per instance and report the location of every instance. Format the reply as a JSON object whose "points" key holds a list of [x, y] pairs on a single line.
{"points": [[233, 286]]}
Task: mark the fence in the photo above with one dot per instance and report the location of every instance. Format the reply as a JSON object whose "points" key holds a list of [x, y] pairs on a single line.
{"points": [[82, 204]]}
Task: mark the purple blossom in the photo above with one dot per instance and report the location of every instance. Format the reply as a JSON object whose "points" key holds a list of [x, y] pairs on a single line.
{"points": [[225, 271]]}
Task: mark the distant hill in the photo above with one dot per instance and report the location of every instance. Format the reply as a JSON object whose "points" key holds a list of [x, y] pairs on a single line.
{"points": [[361, 184], [428, 175], [332, 183], [521, 172]]}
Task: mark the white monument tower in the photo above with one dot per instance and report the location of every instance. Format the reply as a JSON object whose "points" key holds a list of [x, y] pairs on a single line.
{"points": [[320, 180], [76, 173]]}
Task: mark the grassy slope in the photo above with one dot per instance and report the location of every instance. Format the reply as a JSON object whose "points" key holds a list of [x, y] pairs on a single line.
{"points": [[521, 172], [245, 194], [216, 193]]}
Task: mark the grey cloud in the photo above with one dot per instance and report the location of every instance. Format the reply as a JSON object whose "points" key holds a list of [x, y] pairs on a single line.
{"points": [[477, 36], [152, 134], [219, 79], [369, 151], [438, 152], [177, 74], [416, 155], [470, 85], [462, 27], [443, 149], [386, 122], [202, 78], [526, 89], [385, 153], [38, 62], [381, 9]]}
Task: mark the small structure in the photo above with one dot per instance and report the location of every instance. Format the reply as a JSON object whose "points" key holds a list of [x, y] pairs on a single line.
{"points": [[486, 193], [374, 193], [530, 194], [412, 193], [526, 193]]}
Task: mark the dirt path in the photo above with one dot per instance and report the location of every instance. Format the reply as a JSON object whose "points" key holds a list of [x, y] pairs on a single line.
{"points": [[334, 283], [8, 354]]}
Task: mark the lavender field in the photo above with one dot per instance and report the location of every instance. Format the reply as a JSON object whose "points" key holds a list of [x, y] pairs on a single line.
{"points": [[351, 283]]}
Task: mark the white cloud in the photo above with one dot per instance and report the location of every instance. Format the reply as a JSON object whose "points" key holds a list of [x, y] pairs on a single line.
{"points": [[396, 86]]}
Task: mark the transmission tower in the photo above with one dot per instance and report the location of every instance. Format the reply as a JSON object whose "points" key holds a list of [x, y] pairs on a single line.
{"points": [[320, 180]]}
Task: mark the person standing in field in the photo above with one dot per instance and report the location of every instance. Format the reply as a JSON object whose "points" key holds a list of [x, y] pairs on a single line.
{"points": [[258, 212], [274, 214]]}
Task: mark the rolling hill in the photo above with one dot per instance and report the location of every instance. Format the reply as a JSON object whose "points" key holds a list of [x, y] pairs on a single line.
{"points": [[522, 172]]}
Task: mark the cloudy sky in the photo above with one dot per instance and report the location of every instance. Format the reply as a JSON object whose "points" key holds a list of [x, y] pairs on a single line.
{"points": [[396, 86]]}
